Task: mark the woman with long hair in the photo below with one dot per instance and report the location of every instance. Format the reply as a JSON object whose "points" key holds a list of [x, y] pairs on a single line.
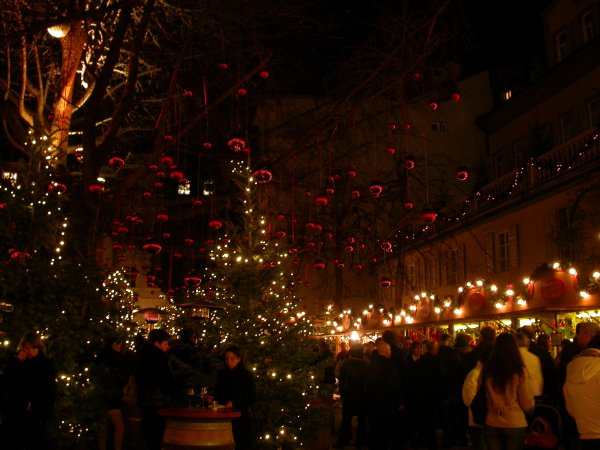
{"points": [[509, 396]]}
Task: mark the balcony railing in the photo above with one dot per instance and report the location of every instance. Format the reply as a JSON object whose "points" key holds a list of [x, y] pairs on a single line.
{"points": [[565, 160]]}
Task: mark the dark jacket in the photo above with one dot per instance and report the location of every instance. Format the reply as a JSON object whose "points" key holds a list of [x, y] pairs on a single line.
{"points": [[28, 389], [352, 383], [453, 366], [383, 385], [236, 386], [155, 380], [113, 375]]}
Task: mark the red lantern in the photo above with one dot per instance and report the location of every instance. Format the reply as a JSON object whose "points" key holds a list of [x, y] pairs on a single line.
{"points": [[187, 93], [215, 224], [330, 191], [393, 126], [168, 137], [358, 266], [192, 280], [462, 173], [407, 126], [153, 167], [116, 161], [280, 216], [56, 186], [196, 202], [433, 105], [263, 175], [242, 91], [328, 234], [177, 175], [349, 248], [352, 173], [223, 66], [95, 188], [408, 204], [385, 282], [264, 74], [162, 217], [340, 265], [355, 193], [428, 215], [351, 239], [166, 159], [386, 246], [321, 200], [188, 241], [207, 145], [391, 149], [281, 233]]}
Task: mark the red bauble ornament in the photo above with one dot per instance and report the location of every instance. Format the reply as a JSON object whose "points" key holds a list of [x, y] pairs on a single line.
{"points": [[340, 265], [428, 215], [177, 175], [352, 173], [391, 149], [167, 160], [236, 143], [355, 193], [328, 234], [375, 189], [393, 126], [160, 174], [264, 74], [321, 200], [207, 145], [116, 161], [281, 233], [95, 188], [223, 66], [319, 264], [215, 224], [152, 248], [168, 137], [385, 282], [349, 248], [188, 241], [192, 280], [409, 162], [162, 217], [196, 202], [147, 194], [263, 175], [242, 91], [408, 205], [187, 93], [386, 246], [462, 173], [456, 96], [153, 167], [280, 216], [56, 186], [330, 191], [433, 105], [407, 126], [357, 266]]}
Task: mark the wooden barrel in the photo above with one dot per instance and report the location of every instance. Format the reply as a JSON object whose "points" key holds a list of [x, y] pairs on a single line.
{"points": [[197, 428]]}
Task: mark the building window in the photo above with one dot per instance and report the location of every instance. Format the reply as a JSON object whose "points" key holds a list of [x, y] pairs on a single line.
{"points": [[561, 46], [452, 268], [430, 274], [502, 251], [410, 273], [440, 127], [567, 126], [587, 27], [507, 95], [519, 152], [563, 234], [501, 163], [594, 112]]}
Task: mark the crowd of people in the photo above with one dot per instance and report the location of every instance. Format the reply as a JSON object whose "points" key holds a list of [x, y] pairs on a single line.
{"points": [[406, 393], [155, 375]]}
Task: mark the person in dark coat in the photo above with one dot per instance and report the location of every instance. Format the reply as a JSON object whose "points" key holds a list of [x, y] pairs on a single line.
{"points": [[235, 389], [454, 431], [352, 391], [28, 390], [384, 396], [156, 386], [551, 390]]}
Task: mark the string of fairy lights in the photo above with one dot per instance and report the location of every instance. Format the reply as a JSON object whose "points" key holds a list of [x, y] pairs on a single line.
{"points": [[499, 298]]}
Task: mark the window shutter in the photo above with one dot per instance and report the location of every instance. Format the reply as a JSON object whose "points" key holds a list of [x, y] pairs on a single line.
{"points": [[513, 247], [490, 253]]}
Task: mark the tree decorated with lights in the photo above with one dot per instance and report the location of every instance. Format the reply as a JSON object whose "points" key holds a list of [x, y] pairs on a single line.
{"points": [[249, 273]]}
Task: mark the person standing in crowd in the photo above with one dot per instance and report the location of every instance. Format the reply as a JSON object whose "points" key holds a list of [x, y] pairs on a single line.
{"points": [[235, 389], [549, 374], [156, 386], [28, 387], [533, 365], [469, 390], [113, 376], [352, 391], [582, 394], [584, 332], [384, 396], [509, 396], [453, 430]]}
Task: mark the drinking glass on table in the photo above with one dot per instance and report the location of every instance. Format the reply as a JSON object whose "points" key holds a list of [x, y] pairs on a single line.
{"points": [[203, 396]]}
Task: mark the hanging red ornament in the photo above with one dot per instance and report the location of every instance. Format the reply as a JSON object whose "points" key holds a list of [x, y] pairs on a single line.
{"points": [[311, 244], [263, 174], [355, 193], [350, 239], [393, 126], [95, 188], [177, 255], [428, 215], [166, 159], [122, 230], [223, 66], [340, 265], [269, 265], [462, 173], [352, 173], [321, 200], [177, 175], [319, 264], [373, 260], [192, 280], [375, 189], [416, 76], [407, 126], [158, 184], [280, 216], [116, 161], [391, 149], [242, 91], [456, 96], [386, 246], [147, 194], [330, 191], [328, 234], [236, 143], [56, 186], [166, 235], [357, 266], [409, 162], [281, 233], [207, 145], [385, 282], [196, 202], [161, 174], [153, 167], [349, 248], [264, 74], [162, 217], [408, 204], [188, 241], [433, 105], [152, 248], [215, 224]]}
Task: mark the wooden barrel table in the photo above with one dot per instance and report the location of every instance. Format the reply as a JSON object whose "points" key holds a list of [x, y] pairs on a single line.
{"points": [[198, 428]]}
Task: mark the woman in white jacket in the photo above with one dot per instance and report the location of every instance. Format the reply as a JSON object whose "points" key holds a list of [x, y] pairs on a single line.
{"points": [[509, 396], [582, 394]]}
